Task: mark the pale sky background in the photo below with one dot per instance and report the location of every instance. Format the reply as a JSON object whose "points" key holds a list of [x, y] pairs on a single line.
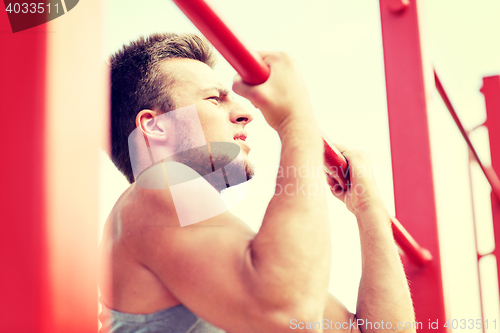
{"points": [[339, 50]]}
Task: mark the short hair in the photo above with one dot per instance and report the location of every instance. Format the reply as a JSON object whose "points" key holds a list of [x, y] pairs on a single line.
{"points": [[138, 83]]}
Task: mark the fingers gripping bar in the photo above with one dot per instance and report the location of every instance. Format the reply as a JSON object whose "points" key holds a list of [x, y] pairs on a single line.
{"points": [[252, 69]]}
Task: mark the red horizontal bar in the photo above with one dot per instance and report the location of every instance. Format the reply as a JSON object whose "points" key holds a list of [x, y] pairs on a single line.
{"points": [[248, 64], [336, 166], [490, 174], [409, 245]]}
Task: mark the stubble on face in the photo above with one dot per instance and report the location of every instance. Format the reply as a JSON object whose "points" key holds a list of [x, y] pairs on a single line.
{"points": [[233, 167]]}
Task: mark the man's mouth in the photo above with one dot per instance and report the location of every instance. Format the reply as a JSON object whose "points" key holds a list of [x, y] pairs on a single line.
{"points": [[241, 138]]}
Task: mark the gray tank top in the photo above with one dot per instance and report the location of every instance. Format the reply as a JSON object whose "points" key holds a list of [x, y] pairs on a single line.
{"points": [[177, 319]]}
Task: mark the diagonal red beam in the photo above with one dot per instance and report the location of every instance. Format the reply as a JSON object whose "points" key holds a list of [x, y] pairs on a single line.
{"points": [[490, 174]]}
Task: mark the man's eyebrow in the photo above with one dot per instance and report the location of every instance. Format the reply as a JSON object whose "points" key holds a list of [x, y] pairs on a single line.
{"points": [[221, 90]]}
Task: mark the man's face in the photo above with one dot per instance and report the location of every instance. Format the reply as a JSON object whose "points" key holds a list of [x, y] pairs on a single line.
{"points": [[222, 119]]}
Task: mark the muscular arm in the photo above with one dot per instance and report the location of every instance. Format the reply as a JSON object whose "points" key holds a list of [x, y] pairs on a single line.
{"points": [[291, 252], [383, 291]]}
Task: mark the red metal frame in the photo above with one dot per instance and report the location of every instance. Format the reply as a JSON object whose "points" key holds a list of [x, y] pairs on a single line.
{"points": [[476, 240], [25, 289], [24, 283], [491, 91], [411, 156], [49, 174], [490, 174]]}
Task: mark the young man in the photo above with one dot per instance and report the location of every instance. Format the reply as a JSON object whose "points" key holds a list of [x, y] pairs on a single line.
{"points": [[217, 275]]}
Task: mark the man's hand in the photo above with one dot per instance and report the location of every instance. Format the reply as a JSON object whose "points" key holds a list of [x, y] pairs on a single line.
{"points": [[283, 97], [363, 192]]}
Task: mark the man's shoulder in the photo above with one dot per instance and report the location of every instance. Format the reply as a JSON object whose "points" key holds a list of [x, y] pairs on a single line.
{"points": [[148, 222], [167, 231]]}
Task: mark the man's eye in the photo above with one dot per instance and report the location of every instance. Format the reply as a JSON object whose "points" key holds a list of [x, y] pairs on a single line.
{"points": [[214, 98]]}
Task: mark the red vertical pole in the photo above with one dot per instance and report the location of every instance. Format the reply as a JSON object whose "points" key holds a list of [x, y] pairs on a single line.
{"points": [[76, 122], [491, 91], [411, 155], [54, 119], [23, 261]]}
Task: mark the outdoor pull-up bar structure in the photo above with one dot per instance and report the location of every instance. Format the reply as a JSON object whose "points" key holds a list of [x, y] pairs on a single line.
{"points": [[49, 239]]}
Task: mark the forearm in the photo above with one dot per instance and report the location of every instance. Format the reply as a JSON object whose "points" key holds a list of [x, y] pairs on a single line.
{"points": [[292, 246], [383, 291]]}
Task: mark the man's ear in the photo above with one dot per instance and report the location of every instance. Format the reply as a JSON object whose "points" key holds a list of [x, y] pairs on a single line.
{"points": [[151, 125]]}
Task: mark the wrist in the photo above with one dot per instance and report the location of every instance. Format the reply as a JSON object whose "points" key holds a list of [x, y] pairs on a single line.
{"points": [[295, 116], [295, 124], [374, 207], [303, 137]]}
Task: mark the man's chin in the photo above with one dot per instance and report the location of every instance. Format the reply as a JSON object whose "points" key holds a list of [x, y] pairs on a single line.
{"points": [[249, 169], [223, 166], [231, 175]]}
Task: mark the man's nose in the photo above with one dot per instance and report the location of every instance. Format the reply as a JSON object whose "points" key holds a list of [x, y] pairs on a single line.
{"points": [[240, 114]]}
